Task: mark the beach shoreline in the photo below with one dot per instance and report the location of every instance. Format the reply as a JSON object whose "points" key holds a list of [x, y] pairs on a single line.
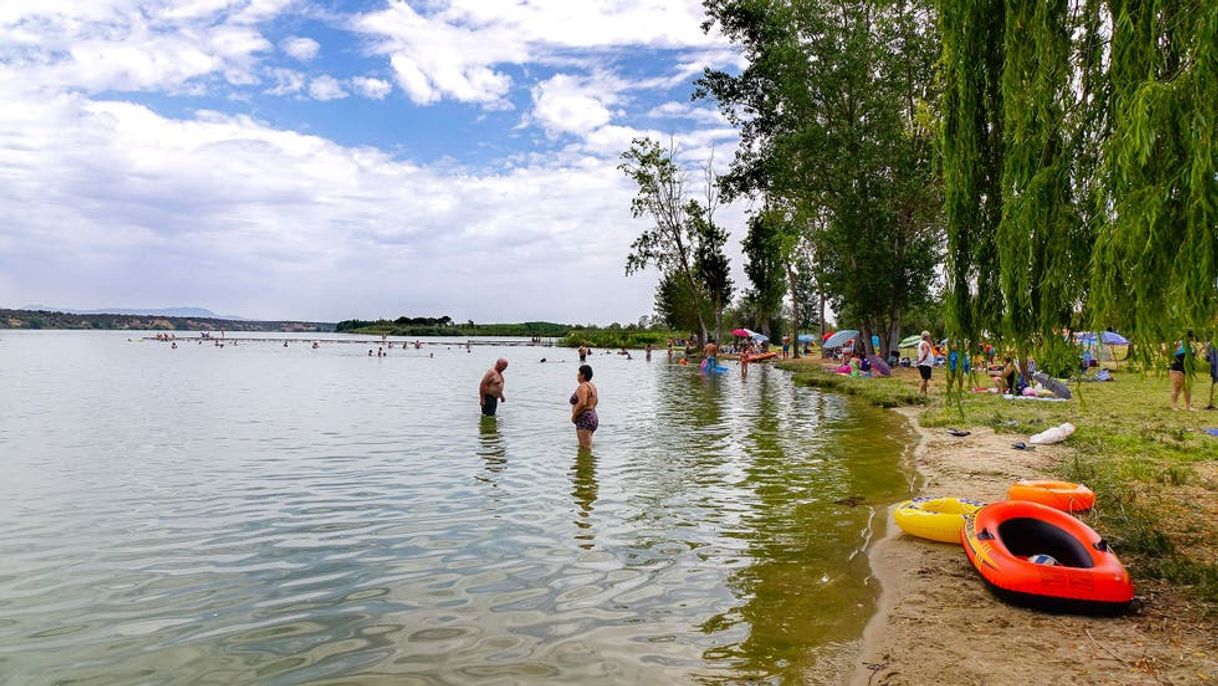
{"points": [[935, 622]]}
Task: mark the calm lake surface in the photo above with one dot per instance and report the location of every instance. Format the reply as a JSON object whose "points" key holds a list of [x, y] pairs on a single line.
{"points": [[256, 514]]}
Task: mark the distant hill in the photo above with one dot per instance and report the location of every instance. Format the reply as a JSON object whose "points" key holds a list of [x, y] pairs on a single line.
{"points": [[196, 312], [47, 319]]}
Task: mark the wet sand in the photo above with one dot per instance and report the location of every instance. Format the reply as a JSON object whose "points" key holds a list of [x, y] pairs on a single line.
{"points": [[937, 623]]}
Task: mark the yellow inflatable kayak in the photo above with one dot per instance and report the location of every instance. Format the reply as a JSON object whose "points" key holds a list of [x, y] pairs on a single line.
{"points": [[938, 519]]}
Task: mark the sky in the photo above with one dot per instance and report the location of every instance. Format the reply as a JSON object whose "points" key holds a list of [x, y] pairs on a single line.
{"points": [[335, 159]]}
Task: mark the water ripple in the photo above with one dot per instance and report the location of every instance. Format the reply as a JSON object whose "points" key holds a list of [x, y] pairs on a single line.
{"points": [[261, 515]]}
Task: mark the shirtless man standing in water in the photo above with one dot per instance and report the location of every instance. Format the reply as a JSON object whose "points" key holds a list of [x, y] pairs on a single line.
{"points": [[711, 352], [490, 391]]}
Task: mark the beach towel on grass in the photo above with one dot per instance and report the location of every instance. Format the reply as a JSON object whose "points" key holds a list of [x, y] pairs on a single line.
{"points": [[1008, 396]]}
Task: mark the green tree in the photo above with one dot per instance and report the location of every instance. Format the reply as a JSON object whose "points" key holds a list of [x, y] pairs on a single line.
{"points": [[675, 305], [1155, 265], [684, 242], [836, 113], [764, 268]]}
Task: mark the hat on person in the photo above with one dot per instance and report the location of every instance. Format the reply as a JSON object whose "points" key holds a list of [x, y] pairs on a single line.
{"points": [[925, 334]]}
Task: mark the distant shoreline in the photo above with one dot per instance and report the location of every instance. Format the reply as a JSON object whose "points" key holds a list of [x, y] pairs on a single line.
{"points": [[51, 320]]}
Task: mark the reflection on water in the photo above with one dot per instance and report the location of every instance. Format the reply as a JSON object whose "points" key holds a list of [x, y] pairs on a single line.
{"points": [[271, 515], [583, 490], [492, 450]]}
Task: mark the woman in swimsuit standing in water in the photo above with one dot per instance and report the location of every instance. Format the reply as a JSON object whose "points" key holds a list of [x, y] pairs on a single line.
{"points": [[583, 407]]}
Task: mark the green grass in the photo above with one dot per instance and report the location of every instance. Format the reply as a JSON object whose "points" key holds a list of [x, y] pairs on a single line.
{"points": [[618, 338], [895, 391], [1150, 467]]}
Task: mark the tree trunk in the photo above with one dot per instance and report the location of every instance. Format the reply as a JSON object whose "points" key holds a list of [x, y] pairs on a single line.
{"points": [[820, 295], [894, 334], [792, 285]]}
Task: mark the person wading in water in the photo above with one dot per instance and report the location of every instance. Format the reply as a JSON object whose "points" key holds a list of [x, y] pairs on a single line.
{"points": [[490, 391]]}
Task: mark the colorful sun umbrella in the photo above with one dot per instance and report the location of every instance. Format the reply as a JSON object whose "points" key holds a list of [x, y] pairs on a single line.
{"points": [[840, 338]]}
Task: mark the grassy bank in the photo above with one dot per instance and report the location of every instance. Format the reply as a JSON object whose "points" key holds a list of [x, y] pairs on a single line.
{"points": [[618, 338], [893, 392], [1155, 472]]}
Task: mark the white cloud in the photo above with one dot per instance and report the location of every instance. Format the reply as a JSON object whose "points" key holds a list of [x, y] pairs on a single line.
{"points": [[567, 104], [687, 110], [287, 82], [226, 210], [370, 87], [326, 88], [303, 49], [457, 49], [133, 45]]}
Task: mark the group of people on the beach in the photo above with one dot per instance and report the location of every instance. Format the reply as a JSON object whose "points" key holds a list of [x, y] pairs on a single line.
{"points": [[583, 401]]}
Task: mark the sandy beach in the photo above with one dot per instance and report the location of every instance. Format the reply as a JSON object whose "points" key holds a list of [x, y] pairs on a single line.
{"points": [[937, 623]]}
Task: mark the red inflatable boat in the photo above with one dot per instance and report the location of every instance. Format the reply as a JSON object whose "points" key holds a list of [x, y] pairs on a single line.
{"points": [[1033, 555]]}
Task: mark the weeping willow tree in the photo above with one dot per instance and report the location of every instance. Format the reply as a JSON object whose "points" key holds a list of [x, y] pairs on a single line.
{"points": [[1155, 265], [971, 33], [1039, 271], [1081, 169]]}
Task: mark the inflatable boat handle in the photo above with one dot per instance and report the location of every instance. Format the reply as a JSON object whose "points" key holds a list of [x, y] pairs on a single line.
{"points": [[1102, 545]]}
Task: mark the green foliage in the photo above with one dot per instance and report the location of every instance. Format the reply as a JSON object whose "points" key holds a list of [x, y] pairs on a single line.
{"points": [[1155, 266], [764, 267], [684, 240], [675, 305], [403, 327], [41, 319], [972, 38], [618, 338], [1058, 357], [835, 110], [1081, 164]]}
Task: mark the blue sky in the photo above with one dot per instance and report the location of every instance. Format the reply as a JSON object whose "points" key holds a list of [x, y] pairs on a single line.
{"points": [[323, 159]]}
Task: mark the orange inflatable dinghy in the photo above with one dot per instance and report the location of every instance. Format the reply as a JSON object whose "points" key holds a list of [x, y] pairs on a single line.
{"points": [[1060, 495], [1033, 555], [763, 357]]}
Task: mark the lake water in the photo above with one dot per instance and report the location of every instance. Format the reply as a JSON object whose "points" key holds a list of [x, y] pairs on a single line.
{"points": [[256, 514]]}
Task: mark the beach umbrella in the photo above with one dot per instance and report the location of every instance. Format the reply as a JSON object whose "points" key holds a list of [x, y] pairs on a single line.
{"points": [[826, 336], [760, 337], [743, 333], [840, 338], [909, 341], [805, 338]]}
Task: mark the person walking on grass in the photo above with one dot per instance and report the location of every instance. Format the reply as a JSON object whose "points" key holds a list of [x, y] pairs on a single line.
{"points": [[926, 361], [1177, 372]]}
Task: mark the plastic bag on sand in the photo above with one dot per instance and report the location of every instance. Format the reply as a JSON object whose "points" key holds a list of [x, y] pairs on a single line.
{"points": [[1056, 434]]}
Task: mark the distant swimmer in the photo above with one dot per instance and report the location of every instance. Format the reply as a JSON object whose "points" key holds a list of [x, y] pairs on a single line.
{"points": [[583, 353], [285, 344], [174, 345], [649, 352], [369, 352], [490, 391], [315, 345], [583, 407]]}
